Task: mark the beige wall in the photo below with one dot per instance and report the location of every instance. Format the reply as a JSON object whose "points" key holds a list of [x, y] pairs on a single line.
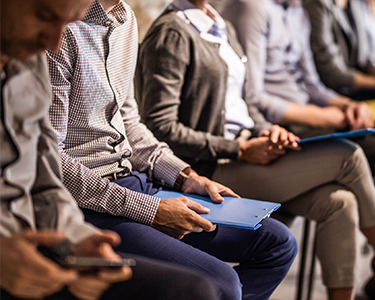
{"points": [[148, 10]]}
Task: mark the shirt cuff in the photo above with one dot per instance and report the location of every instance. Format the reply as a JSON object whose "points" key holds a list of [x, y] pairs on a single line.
{"points": [[168, 168], [140, 207]]}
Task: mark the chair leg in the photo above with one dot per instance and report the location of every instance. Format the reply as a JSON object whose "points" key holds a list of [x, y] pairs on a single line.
{"points": [[312, 269], [304, 250]]}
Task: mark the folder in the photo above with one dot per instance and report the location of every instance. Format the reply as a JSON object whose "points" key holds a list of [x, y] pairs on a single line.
{"points": [[346, 135], [371, 104], [233, 212]]}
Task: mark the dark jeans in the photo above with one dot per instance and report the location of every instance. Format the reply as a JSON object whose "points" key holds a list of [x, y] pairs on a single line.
{"points": [[152, 280], [263, 256]]}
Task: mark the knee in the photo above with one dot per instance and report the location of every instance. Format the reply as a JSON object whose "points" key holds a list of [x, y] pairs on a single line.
{"points": [[345, 208], [282, 245], [196, 287], [229, 283]]}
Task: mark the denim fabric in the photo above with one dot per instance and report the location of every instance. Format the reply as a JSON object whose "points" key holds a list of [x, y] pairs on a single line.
{"points": [[264, 255]]}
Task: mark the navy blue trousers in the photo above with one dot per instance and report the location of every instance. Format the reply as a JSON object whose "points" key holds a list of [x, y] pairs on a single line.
{"points": [[151, 280], [264, 256]]}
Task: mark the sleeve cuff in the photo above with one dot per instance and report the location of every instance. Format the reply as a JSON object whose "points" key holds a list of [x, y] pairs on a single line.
{"points": [[140, 207], [168, 168]]}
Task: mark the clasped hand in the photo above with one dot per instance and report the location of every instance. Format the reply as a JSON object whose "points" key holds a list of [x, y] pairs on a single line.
{"points": [[359, 116], [270, 145]]}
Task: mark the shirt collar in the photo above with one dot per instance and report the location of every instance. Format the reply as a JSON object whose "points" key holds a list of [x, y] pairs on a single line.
{"points": [[287, 3], [116, 16], [197, 17], [15, 66]]}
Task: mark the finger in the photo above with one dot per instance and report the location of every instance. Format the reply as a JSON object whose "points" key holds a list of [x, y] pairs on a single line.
{"points": [[89, 286], [225, 191], [106, 236], [110, 275], [43, 237], [199, 221], [276, 151], [212, 189], [197, 207], [86, 294], [54, 280], [33, 291], [275, 135], [351, 116], [265, 133], [42, 265], [284, 135], [293, 144]]}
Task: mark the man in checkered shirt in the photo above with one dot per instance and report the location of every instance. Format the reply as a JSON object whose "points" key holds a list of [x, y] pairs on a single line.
{"points": [[111, 164]]}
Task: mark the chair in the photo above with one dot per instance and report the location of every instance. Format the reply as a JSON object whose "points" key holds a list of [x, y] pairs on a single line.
{"points": [[304, 290]]}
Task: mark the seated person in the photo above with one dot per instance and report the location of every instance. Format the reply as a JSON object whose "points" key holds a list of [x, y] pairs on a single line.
{"points": [[190, 83], [342, 33], [283, 82], [36, 210], [112, 164]]}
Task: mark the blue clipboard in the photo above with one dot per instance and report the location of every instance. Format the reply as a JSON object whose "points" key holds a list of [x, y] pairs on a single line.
{"points": [[233, 212], [346, 135]]}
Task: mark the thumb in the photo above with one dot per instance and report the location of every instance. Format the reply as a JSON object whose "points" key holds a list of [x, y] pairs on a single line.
{"points": [[106, 236], [266, 132]]}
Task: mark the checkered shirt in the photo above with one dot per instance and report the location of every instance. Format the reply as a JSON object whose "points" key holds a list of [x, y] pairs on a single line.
{"points": [[95, 115]]}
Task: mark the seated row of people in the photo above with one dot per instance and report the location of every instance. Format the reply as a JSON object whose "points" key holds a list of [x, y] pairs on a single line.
{"points": [[199, 92], [283, 81], [194, 94], [343, 44], [104, 140]]}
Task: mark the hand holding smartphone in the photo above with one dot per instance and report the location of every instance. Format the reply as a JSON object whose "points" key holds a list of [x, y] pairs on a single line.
{"points": [[60, 253], [94, 264]]}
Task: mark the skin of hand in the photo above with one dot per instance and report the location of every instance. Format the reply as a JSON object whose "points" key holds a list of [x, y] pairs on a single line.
{"points": [[92, 286], [259, 150], [25, 272], [281, 137], [331, 117], [359, 115], [180, 216], [362, 80], [319, 117]]}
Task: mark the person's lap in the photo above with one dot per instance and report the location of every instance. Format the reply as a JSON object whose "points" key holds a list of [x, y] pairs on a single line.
{"points": [[151, 279], [290, 175], [310, 183], [366, 142], [261, 268]]}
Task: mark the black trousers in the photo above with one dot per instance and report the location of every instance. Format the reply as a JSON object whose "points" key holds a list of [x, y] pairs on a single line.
{"points": [[151, 280]]}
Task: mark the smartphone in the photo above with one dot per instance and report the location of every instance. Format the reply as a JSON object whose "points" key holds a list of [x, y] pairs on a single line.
{"points": [[93, 264]]}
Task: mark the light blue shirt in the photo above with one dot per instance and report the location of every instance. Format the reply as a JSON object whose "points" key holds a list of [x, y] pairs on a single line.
{"points": [[275, 36]]}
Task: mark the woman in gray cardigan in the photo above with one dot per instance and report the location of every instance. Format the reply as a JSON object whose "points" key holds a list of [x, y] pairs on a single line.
{"points": [[342, 40], [190, 85]]}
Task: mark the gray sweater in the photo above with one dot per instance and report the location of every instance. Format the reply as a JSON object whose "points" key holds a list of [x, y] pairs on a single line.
{"points": [[181, 82]]}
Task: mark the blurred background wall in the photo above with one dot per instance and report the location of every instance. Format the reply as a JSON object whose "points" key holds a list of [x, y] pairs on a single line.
{"points": [[148, 10]]}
